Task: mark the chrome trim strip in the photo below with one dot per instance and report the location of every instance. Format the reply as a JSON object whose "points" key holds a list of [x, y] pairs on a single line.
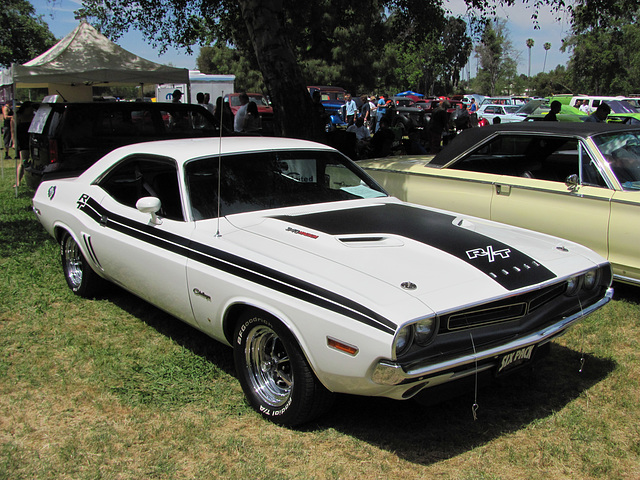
{"points": [[623, 279], [387, 372], [512, 185]]}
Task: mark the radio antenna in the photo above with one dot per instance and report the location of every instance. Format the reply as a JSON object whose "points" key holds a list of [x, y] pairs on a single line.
{"points": [[220, 161]]}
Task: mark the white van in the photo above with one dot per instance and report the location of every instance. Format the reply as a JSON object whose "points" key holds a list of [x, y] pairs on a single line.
{"points": [[591, 102]]}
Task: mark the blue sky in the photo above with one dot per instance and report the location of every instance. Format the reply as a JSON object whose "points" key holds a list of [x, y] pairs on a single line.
{"points": [[58, 14]]}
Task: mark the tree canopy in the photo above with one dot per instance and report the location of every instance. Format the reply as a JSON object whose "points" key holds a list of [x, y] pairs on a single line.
{"points": [[23, 34], [364, 45]]}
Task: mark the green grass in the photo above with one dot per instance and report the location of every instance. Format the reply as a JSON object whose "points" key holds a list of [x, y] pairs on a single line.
{"points": [[112, 388]]}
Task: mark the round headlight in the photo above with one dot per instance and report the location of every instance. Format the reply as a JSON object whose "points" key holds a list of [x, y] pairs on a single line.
{"points": [[425, 329], [573, 285], [403, 339], [590, 279]]}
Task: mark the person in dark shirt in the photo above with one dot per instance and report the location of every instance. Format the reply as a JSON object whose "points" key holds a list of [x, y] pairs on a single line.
{"points": [[556, 106], [438, 125], [383, 139]]}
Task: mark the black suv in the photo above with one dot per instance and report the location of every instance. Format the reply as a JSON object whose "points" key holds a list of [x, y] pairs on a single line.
{"points": [[67, 138]]}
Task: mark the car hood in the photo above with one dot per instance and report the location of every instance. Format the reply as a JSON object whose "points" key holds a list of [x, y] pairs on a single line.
{"points": [[438, 257]]}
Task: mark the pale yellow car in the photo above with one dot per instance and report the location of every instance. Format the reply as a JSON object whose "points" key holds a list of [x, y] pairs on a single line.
{"points": [[579, 181]]}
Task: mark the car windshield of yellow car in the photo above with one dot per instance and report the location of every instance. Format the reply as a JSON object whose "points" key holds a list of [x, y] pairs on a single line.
{"points": [[622, 151]]}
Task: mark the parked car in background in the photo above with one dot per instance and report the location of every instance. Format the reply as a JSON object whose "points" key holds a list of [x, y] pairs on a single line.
{"points": [[333, 100], [507, 100], [505, 112], [579, 181], [404, 114], [288, 252], [66, 138]]}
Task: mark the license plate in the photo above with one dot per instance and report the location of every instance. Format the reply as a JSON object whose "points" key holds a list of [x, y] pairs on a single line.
{"points": [[513, 359]]}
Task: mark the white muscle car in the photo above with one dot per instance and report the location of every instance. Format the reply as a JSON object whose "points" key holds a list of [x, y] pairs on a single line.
{"points": [[287, 251]]}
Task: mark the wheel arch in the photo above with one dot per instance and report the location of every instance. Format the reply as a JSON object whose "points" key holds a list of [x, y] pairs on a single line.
{"points": [[235, 311]]}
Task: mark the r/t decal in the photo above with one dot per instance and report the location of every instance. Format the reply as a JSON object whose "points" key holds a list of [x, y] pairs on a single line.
{"points": [[489, 252]]}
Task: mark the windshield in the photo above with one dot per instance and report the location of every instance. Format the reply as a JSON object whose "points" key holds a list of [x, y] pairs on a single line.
{"points": [[618, 106], [259, 100], [622, 152], [266, 180]]}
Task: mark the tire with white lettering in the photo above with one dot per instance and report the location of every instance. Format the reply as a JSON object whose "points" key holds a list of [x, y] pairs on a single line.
{"points": [[80, 277], [274, 373]]}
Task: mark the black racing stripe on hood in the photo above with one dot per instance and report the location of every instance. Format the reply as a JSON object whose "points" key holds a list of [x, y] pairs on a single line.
{"points": [[234, 265], [509, 267]]}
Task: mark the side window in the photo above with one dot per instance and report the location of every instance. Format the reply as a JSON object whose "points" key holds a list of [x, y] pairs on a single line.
{"points": [[135, 178], [143, 122], [537, 157], [115, 123], [589, 172]]}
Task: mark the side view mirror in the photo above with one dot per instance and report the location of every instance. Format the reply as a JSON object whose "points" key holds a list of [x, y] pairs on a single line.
{"points": [[150, 205], [572, 182]]}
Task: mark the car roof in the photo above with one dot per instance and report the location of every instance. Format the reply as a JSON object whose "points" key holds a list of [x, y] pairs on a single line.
{"points": [[183, 150], [471, 136]]}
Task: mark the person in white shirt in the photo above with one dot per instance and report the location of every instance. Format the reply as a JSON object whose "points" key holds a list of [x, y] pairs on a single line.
{"points": [[238, 122], [362, 135]]}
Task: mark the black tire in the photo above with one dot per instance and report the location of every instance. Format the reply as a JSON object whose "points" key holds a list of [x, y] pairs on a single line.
{"points": [[275, 375], [80, 277]]}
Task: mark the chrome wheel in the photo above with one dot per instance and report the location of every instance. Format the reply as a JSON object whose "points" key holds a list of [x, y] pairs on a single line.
{"points": [[73, 262], [268, 366]]}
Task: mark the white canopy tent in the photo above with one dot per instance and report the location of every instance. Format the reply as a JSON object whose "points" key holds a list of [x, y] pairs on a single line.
{"points": [[81, 60], [87, 58]]}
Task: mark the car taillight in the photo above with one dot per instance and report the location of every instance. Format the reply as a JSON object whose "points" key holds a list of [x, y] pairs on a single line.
{"points": [[53, 151]]}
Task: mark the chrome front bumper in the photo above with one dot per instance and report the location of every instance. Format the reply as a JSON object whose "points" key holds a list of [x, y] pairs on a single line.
{"points": [[388, 372]]}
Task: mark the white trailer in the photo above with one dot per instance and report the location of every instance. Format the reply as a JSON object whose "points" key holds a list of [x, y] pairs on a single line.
{"points": [[214, 85]]}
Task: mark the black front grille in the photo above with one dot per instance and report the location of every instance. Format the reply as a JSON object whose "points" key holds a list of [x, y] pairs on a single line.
{"points": [[486, 316], [504, 310]]}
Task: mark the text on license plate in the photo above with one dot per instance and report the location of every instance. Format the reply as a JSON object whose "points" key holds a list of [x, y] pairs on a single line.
{"points": [[516, 358]]}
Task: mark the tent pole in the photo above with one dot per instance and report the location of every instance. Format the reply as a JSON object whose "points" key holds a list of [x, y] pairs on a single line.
{"points": [[16, 152]]}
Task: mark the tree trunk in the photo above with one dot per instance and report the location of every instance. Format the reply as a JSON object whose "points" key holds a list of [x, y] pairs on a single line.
{"points": [[291, 101]]}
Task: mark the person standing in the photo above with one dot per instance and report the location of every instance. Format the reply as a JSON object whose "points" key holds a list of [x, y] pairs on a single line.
{"points": [[556, 106], [7, 133], [22, 120], [350, 109], [473, 108], [238, 123], [223, 114], [438, 126], [176, 96], [600, 115], [207, 102], [365, 110], [382, 109]]}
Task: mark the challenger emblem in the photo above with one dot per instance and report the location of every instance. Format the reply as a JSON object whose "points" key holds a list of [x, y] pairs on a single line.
{"points": [[51, 192], [489, 252]]}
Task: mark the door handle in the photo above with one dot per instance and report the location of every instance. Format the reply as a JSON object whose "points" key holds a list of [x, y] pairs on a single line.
{"points": [[503, 190]]}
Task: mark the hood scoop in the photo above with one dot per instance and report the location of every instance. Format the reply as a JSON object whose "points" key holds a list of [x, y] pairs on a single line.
{"points": [[370, 241]]}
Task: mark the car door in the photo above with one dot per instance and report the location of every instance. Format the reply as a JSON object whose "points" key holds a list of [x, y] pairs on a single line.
{"points": [[624, 232], [540, 199], [145, 255]]}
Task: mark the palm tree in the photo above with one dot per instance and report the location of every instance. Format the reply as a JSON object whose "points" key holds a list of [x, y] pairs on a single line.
{"points": [[530, 43], [546, 46]]}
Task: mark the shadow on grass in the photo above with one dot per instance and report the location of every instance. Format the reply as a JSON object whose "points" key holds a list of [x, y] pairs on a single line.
{"points": [[183, 334], [20, 236], [626, 292], [417, 433], [428, 434]]}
